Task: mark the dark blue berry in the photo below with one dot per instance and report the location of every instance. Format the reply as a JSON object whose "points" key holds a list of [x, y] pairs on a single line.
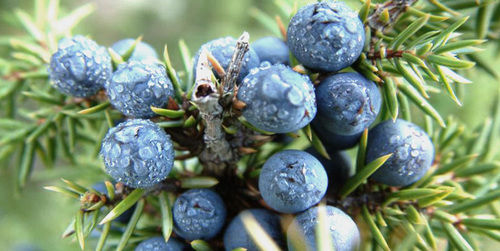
{"points": [[411, 147], [326, 36], [272, 50], [142, 51], [80, 67], [124, 217], [138, 153], [159, 244], [198, 214], [292, 181], [277, 98], [347, 103], [338, 168], [343, 230], [331, 140], [137, 85], [222, 49], [236, 235]]}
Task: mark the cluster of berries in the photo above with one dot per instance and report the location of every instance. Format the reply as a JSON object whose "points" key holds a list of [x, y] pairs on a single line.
{"points": [[325, 37]]}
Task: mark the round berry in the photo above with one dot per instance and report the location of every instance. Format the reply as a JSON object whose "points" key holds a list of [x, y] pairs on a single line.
{"points": [[222, 49], [326, 36], [124, 217], [158, 244], [80, 67], [292, 181], [137, 85], [343, 230], [338, 168], [347, 103], [236, 235], [277, 98], [142, 51], [272, 50], [331, 140], [138, 153], [198, 214], [411, 148]]}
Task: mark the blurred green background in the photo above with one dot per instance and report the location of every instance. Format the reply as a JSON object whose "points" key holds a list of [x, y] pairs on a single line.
{"points": [[39, 217]]}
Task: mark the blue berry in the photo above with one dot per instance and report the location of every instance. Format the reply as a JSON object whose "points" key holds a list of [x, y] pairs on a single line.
{"points": [[137, 85], [292, 181], [222, 49], [272, 50], [412, 150], [80, 67], [236, 235], [277, 98], [326, 36], [198, 214], [343, 230], [159, 244], [332, 140], [142, 51], [347, 103], [138, 153], [124, 217], [338, 168]]}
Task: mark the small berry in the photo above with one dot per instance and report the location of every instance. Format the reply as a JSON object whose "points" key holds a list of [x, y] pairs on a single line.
{"points": [[338, 168], [326, 36], [124, 217], [331, 140], [222, 49], [411, 147], [80, 67], [272, 50], [159, 244], [236, 235], [142, 51], [277, 98], [292, 181], [138, 153], [347, 103], [343, 230], [137, 85], [198, 214]]}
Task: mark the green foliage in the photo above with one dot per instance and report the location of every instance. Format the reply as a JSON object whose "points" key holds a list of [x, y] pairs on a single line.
{"points": [[425, 50]]}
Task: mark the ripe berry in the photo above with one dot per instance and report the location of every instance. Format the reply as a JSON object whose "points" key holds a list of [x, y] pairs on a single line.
{"points": [[338, 168], [198, 214], [222, 49], [124, 217], [237, 236], [277, 98], [138, 153], [79, 67], [343, 230], [347, 103], [272, 50], [137, 85], [142, 51], [331, 140], [412, 150], [326, 36], [159, 244], [292, 181]]}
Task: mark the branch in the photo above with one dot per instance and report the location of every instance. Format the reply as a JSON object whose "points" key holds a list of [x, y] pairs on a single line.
{"points": [[233, 70], [387, 13]]}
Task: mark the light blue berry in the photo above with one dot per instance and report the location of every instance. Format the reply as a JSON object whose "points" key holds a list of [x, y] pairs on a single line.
{"points": [[159, 244], [236, 235], [326, 36], [347, 103], [338, 168], [343, 230], [138, 153], [222, 49], [198, 214], [137, 85], [79, 67], [292, 181], [277, 98], [272, 50], [142, 51], [412, 149]]}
